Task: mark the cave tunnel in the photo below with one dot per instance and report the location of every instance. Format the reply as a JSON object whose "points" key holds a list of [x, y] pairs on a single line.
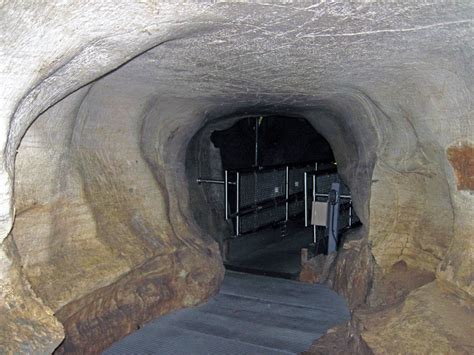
{"points": [[271, 157], [120, 121]]}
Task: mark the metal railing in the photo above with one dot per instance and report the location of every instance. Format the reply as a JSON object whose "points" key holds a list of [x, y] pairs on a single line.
{"points": [[258, 205], [315, 175]]}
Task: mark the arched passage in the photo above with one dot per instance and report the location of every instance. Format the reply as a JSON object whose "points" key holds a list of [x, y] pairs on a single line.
{"points": [[272, 155], [391, 98]]}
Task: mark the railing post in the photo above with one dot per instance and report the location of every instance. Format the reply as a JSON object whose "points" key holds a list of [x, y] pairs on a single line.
{"points": [[314, 199], [287, 192], [226, 194], [305, 199], [350, 212], [257, 121], [237, 206]]}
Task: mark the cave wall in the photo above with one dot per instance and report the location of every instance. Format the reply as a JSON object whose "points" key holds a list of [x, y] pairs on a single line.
{"points": [[394, 273], [109, 240], [203, 160], [104, 224]]}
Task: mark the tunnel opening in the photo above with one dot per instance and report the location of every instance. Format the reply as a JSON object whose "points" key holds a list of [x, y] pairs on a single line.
{"points": [[121, 181], [274, 181], [110, 228], [121, 199], [117, 216]]}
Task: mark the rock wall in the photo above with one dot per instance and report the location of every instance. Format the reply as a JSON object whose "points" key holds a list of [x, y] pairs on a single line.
{"points": [[111, 250], [98, 108], [412, 267]]}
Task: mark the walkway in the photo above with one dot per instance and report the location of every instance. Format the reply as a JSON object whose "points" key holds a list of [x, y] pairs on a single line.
{"points": [[250, 315], [282, 258]]}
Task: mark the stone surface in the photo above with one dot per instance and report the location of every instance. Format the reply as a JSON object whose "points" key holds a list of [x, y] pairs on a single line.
{"points": [[28, 325], [352, 274], [349, 271], [315, 270], [150, 290], [108, 255], [340, 340], [402, 309], [429, 321], [461, 158], [99, 105]]}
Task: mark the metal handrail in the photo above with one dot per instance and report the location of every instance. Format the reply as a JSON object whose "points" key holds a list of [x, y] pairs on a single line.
{"points": [[265, 204], [275, 201], [280, 167]]}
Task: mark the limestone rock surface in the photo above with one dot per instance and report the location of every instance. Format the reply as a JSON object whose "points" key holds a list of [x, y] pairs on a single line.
{"points": [[28, 326], [428, 321], [103, 115]]}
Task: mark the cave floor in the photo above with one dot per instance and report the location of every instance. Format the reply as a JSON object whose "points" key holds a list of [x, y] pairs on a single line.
{"points": [[251, 314], [281, 258]]}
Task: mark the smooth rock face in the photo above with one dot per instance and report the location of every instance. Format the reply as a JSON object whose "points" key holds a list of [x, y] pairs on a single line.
{"points": [[350, 272], [103, 227], [103, 111], [460, 157], [428, 321]]}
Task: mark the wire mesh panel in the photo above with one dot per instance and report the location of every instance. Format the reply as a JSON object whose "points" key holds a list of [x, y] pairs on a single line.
{"points": [[262, 218], [247, 189], [268, 186], [296, 208], [262, 196], [296, 182], [296, 189], [256, 187], [324, 182]]}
